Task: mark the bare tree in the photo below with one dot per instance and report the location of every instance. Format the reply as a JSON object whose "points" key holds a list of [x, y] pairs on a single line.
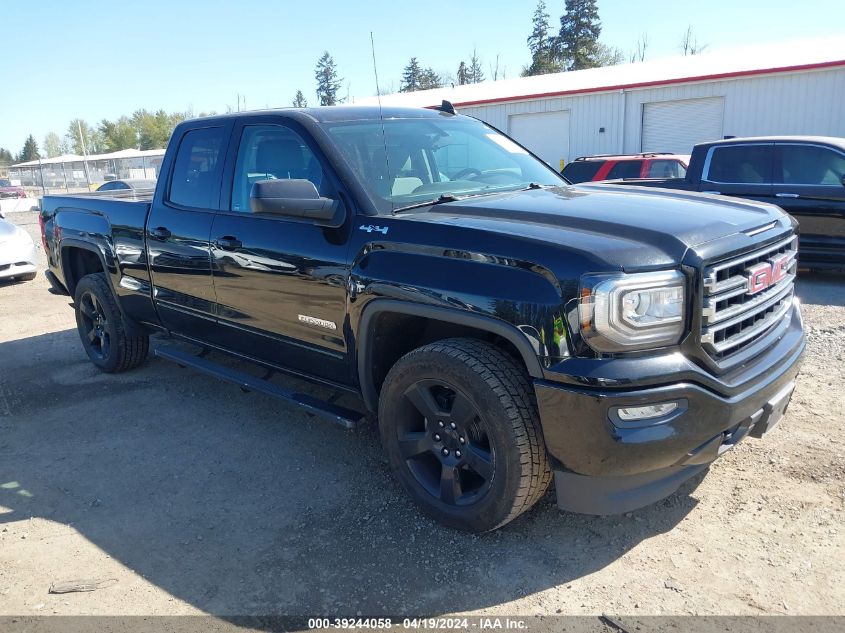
{"points": [[689, 43], [494, 70], [642, 46]]}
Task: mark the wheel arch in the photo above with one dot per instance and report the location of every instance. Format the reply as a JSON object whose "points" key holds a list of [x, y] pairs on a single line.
{"points": [[79, 259], [447, 321]]}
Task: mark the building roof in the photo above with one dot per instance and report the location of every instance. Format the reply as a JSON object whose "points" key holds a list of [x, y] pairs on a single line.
{"points": [[712, 65], [76, 158]]}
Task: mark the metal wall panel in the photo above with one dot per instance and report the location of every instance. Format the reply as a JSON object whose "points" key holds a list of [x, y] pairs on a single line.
{"points": [[800, 102]]}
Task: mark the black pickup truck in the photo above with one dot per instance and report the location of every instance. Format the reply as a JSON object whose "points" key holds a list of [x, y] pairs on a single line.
{"points": [[504, 326], [804, 175]]}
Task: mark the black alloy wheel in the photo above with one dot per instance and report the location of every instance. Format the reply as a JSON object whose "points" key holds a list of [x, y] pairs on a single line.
{"points": [[444, 445], [94, 326]]}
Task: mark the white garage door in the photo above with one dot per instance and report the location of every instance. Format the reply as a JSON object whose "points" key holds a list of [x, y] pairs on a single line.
{"points": [[544, 133], [675, 126]]}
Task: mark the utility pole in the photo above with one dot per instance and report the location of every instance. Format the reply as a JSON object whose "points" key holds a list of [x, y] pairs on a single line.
{"points": [[84, 153]]}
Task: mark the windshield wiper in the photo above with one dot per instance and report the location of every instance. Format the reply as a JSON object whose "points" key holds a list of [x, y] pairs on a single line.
{"points": [[446, 197], [450, 197]]}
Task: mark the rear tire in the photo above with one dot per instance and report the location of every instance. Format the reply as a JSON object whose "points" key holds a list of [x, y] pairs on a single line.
{"points": [[103, 330], [458, 420]]}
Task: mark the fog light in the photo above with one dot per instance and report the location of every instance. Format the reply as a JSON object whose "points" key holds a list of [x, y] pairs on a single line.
{"points": [[647, 412]]}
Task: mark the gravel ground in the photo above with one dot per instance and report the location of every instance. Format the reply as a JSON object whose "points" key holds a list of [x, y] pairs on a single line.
{"points": [[183, 495]]}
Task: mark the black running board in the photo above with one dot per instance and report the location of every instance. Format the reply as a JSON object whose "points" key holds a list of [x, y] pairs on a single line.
{"points": [[341, 415]]}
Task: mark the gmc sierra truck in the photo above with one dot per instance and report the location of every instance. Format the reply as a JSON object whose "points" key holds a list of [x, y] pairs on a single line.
{"points": [[505, 327], [804, 175]]}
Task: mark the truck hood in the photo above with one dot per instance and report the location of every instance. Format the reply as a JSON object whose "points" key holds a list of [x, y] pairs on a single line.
{"points": [[618, 225]]}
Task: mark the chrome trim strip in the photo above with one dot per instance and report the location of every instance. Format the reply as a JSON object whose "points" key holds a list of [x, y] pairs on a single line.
{"points": [[751, 332], [749, 308]]}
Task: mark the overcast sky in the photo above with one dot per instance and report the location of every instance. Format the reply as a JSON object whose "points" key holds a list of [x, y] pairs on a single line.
{"points": [[65, 59]]}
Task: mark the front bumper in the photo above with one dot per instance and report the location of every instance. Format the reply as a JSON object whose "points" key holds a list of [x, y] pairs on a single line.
{"points": [[17, 259], [605, 466]]}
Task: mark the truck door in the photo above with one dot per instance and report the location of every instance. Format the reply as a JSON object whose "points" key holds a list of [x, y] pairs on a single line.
{"points": [[810, 186], [280, 282], [178, 230], [743, 170]]}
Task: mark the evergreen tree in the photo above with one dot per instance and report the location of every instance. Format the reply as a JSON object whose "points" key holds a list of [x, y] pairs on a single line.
{"points": [[412, 77], [430, 79], [29, 151], [476, 75], [463, 74], [328, 81], [299, 100], [541, 44], [6, 157], [577, 43]]}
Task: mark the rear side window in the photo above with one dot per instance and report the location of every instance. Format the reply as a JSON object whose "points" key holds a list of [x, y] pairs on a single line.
{"points": [[581, 170], [666, 169], [195, 182], [811, 165], [741, 164], [625, 169]]}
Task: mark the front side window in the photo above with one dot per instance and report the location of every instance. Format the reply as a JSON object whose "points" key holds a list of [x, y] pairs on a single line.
{"points": [[811, 165], [271, 152], [625, 169], [415, 161], [195, 182], [740, 164]]}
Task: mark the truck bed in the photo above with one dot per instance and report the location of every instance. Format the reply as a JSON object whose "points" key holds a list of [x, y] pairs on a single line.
{"points": [[144, 195]]}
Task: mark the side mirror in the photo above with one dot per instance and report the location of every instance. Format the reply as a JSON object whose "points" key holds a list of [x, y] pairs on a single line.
{"points": [[295, 199]]}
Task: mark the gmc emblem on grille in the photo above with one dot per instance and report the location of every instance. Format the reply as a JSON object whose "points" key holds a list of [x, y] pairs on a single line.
{"points": [[761, 276]]}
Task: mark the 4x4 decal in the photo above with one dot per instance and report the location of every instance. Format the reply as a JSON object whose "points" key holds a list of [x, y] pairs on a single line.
{"points": [[369, 228]]}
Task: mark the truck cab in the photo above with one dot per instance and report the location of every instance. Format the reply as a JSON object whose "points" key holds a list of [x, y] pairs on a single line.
{"points": [[505, 328]]}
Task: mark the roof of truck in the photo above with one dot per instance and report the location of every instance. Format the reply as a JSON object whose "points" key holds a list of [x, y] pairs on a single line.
{"points": [[825, 140], [326, 114]]}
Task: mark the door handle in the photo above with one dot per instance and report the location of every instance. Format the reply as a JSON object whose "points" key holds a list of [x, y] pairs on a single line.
{"points": [[787, 195], [160, 233], [228, 243]]}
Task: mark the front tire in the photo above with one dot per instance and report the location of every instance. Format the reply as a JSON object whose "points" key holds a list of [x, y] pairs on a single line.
{"points": [[102, 328], [459, 423]]}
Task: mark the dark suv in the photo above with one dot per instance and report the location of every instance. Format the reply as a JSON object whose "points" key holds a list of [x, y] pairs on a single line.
{"points": [[614, 167]]}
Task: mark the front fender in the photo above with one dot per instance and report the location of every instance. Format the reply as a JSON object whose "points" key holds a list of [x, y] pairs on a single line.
{"points": [[515, 300]]}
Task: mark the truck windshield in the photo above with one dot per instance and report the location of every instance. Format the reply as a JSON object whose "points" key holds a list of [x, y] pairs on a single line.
{"points": [[422, 160]]}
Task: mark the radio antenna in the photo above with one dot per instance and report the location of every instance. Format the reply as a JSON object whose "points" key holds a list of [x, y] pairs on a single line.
{"points": [[381, 113]]}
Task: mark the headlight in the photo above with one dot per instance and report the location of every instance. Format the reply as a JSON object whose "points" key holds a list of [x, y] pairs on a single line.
{"points": [[623, 312]]}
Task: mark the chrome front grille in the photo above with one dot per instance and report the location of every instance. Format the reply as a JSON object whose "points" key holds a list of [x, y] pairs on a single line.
{"points": [[746, 296]]}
